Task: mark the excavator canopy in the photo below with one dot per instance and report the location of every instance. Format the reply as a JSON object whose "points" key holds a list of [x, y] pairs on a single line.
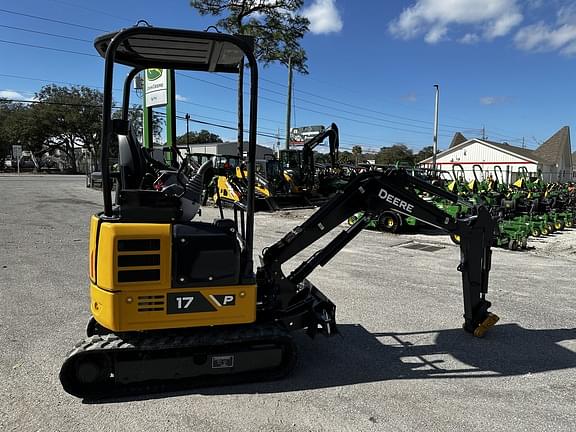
{"points": [[177, 49]]}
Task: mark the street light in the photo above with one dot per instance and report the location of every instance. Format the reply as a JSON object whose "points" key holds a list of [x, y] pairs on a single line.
{"points": [[187, 130]]}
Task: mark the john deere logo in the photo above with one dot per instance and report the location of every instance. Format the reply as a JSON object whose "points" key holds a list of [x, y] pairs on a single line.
{"points": [[153, 74]]}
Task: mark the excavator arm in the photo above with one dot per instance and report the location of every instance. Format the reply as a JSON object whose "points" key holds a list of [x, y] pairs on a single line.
{"points": [[333, 141], [372, 193], [308, 150]]}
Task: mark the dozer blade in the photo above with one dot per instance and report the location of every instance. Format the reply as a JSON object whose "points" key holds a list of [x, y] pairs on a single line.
{"points": [[153, 362]]}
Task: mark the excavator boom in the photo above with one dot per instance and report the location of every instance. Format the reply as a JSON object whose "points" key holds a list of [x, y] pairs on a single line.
{"points": [[373, 193]]}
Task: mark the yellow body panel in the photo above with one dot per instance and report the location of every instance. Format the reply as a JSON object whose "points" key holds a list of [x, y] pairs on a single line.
{"points": [[131, 311], [294, 188], [226, 190], [94, 221], [131, 283], [110, 270]]}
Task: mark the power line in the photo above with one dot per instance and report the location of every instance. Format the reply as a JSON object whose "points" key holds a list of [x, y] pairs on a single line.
{"points": [[379, 140], [427, 122], [51, 20], [315, 111], [263, 79], [268, 99], [45, 33], [118, 107], [272, 91], [179, 117], [48, 48], [363, 109], [91, 10], [54, 82]]}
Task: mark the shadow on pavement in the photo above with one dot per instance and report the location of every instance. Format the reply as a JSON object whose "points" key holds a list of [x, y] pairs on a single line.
{"points": [[362, 357]]}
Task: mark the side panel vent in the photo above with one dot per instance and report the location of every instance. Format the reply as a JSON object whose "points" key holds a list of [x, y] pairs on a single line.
{"points": [[138, 260], [138, 275], [138, 245], [153, 303]]}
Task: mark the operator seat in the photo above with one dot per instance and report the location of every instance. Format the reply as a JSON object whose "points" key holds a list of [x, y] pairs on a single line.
{"points": [[131, 161]]}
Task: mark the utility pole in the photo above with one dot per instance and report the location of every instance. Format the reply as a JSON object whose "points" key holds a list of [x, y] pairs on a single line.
{"points": [[289, 103], [435, 146], [483, 132], [277, 149], [241, 109], [187, 117]]}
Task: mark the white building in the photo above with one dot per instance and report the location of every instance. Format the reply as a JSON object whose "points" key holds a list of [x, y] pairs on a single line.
{"points": [[553, 158], [228, 148]]}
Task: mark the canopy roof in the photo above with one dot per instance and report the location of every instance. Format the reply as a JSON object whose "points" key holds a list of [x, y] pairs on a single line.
{"points": [[154, 47]]}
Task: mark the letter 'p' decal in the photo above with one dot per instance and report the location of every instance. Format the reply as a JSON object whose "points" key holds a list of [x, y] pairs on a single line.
{"points": [[224, 299]]}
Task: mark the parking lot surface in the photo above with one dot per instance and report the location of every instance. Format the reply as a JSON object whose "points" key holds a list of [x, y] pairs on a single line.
{"points": [[401, 362]]}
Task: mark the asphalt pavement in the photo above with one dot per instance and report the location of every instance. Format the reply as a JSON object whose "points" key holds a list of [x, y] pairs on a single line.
{"points": [[401, 362]]}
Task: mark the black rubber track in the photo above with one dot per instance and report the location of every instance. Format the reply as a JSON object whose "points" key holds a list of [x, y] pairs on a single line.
{"points": [[110, 349]]}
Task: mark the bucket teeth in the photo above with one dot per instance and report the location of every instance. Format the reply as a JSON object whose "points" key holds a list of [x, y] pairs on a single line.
{"points": [[483, 327]]}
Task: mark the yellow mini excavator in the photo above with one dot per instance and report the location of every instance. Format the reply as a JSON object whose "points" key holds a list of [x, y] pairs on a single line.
{"points": [[175, 301]]}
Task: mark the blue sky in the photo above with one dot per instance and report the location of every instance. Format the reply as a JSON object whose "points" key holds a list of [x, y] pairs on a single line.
{"points": [[505, 65]]}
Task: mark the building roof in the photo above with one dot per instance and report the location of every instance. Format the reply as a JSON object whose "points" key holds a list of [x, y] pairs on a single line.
{"points": [[554, 147], [520, 151], [458, 139], [516, 151], [549, 153]]}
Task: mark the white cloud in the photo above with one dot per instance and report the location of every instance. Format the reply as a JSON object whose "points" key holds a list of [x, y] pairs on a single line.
{"points": [[488, 19], [11, 94], [324, 17], [560, 37], [436, 34], [470, 38], [181, 98], [493, 100]]}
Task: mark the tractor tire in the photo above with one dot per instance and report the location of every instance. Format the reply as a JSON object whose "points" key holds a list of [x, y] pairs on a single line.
{"points": [[560, 225], [389, 222], [513, 245], [551, 228], [536, 232], [568, 223], [455, 238], [352, 220], [545, 230], [524, 243]]}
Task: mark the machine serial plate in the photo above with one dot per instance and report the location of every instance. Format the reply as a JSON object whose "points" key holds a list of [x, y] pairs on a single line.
{"points": [[187, 302], [221, 362]]}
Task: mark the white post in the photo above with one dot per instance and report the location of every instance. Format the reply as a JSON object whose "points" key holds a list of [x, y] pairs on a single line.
{"points": [[435, 146]]}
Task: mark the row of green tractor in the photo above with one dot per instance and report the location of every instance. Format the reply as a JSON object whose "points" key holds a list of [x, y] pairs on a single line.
{"points": [[528, 207]]}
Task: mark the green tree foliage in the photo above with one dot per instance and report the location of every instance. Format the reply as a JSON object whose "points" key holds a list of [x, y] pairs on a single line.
{"points": [[65, 118], [344, 157], [321, 158], [276, 26], [424, 153], [201, 137], [357, 152], [12, 126], [392, 155], [347, 158]]}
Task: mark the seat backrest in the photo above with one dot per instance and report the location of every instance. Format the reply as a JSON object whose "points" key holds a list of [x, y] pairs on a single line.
{"points": [[130, 158]]}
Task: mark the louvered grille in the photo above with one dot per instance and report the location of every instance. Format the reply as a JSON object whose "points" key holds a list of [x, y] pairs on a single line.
{"points": [[152, 303], [135, 261]]}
